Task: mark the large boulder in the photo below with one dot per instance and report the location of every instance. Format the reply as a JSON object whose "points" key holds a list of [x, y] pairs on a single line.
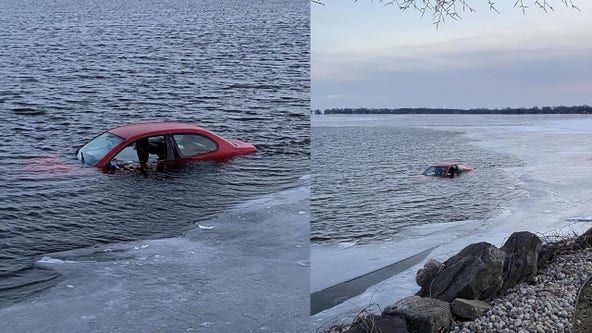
{"points": [[429, 271], [421, 314], [468, 309], [522, 254], [476, 272], [378, 324]]}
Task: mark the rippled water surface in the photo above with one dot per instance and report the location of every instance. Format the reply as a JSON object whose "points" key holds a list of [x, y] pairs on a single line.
{"points": [[71, 69], [367, 184]]}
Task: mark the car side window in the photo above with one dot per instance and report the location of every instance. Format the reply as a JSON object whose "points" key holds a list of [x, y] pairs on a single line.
{"points": [[152, 149], [435, 171], [194, 144]]}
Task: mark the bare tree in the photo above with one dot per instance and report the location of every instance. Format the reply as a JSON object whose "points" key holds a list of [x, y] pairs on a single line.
{"points": [[443, 9]]}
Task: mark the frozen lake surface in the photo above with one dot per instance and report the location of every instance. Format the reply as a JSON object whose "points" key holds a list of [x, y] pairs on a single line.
{"points": [[552, 182], [244, 271]]}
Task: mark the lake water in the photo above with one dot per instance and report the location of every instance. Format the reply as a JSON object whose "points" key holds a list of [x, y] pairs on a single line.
{"points": [[72, 69], [367, 184]]}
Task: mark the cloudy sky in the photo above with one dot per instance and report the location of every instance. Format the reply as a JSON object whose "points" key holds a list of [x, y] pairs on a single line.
{"points": [[365, 54]]}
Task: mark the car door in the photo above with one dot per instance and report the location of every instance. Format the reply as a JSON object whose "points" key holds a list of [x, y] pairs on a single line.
{"points": [[193, 146], [151, 149]]}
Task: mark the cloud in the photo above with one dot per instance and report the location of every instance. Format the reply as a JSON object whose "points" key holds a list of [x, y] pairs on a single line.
{"points": [[370, 59], [575, 87], [452, 54], [526, 81]]}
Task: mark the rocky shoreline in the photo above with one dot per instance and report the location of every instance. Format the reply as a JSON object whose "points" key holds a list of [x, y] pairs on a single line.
{"points": [[525, 286], [547, 305]]}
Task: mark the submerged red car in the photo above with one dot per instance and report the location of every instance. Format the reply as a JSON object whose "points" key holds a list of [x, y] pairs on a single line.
{"points": [[447, 169], [164, 143]]}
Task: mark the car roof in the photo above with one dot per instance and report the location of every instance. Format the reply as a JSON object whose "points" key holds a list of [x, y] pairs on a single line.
{"points": [[152, 127], [445, 164]]}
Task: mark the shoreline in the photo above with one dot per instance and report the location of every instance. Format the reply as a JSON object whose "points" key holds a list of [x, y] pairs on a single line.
{"points": [[548, 304]]}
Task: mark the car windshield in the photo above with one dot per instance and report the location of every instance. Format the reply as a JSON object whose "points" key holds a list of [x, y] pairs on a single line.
{"points": [[94, 151], [435, 171]]}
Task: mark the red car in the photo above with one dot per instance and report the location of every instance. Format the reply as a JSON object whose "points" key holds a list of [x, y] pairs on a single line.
{"points": [[447, 169], [164, 143]]}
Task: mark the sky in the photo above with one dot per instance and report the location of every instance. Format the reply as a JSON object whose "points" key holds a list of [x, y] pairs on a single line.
{"points": [[366, 54]]}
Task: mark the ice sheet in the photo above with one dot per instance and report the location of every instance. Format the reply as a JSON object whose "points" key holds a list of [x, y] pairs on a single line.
{"points": [[248, 271], [348, 260], [557, 177]]}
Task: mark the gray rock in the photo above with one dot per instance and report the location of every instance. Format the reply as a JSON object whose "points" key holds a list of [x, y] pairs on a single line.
{"points": [[422, 314], [522, 254], [425, 275], [546, 254], [476, 272], [376, 324], [468, 309]]}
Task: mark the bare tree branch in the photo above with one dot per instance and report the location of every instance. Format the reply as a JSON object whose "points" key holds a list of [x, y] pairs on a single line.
{"points": [[443, 9]]}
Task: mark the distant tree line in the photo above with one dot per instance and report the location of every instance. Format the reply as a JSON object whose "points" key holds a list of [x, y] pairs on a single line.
{"points": [[533, 110]]}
